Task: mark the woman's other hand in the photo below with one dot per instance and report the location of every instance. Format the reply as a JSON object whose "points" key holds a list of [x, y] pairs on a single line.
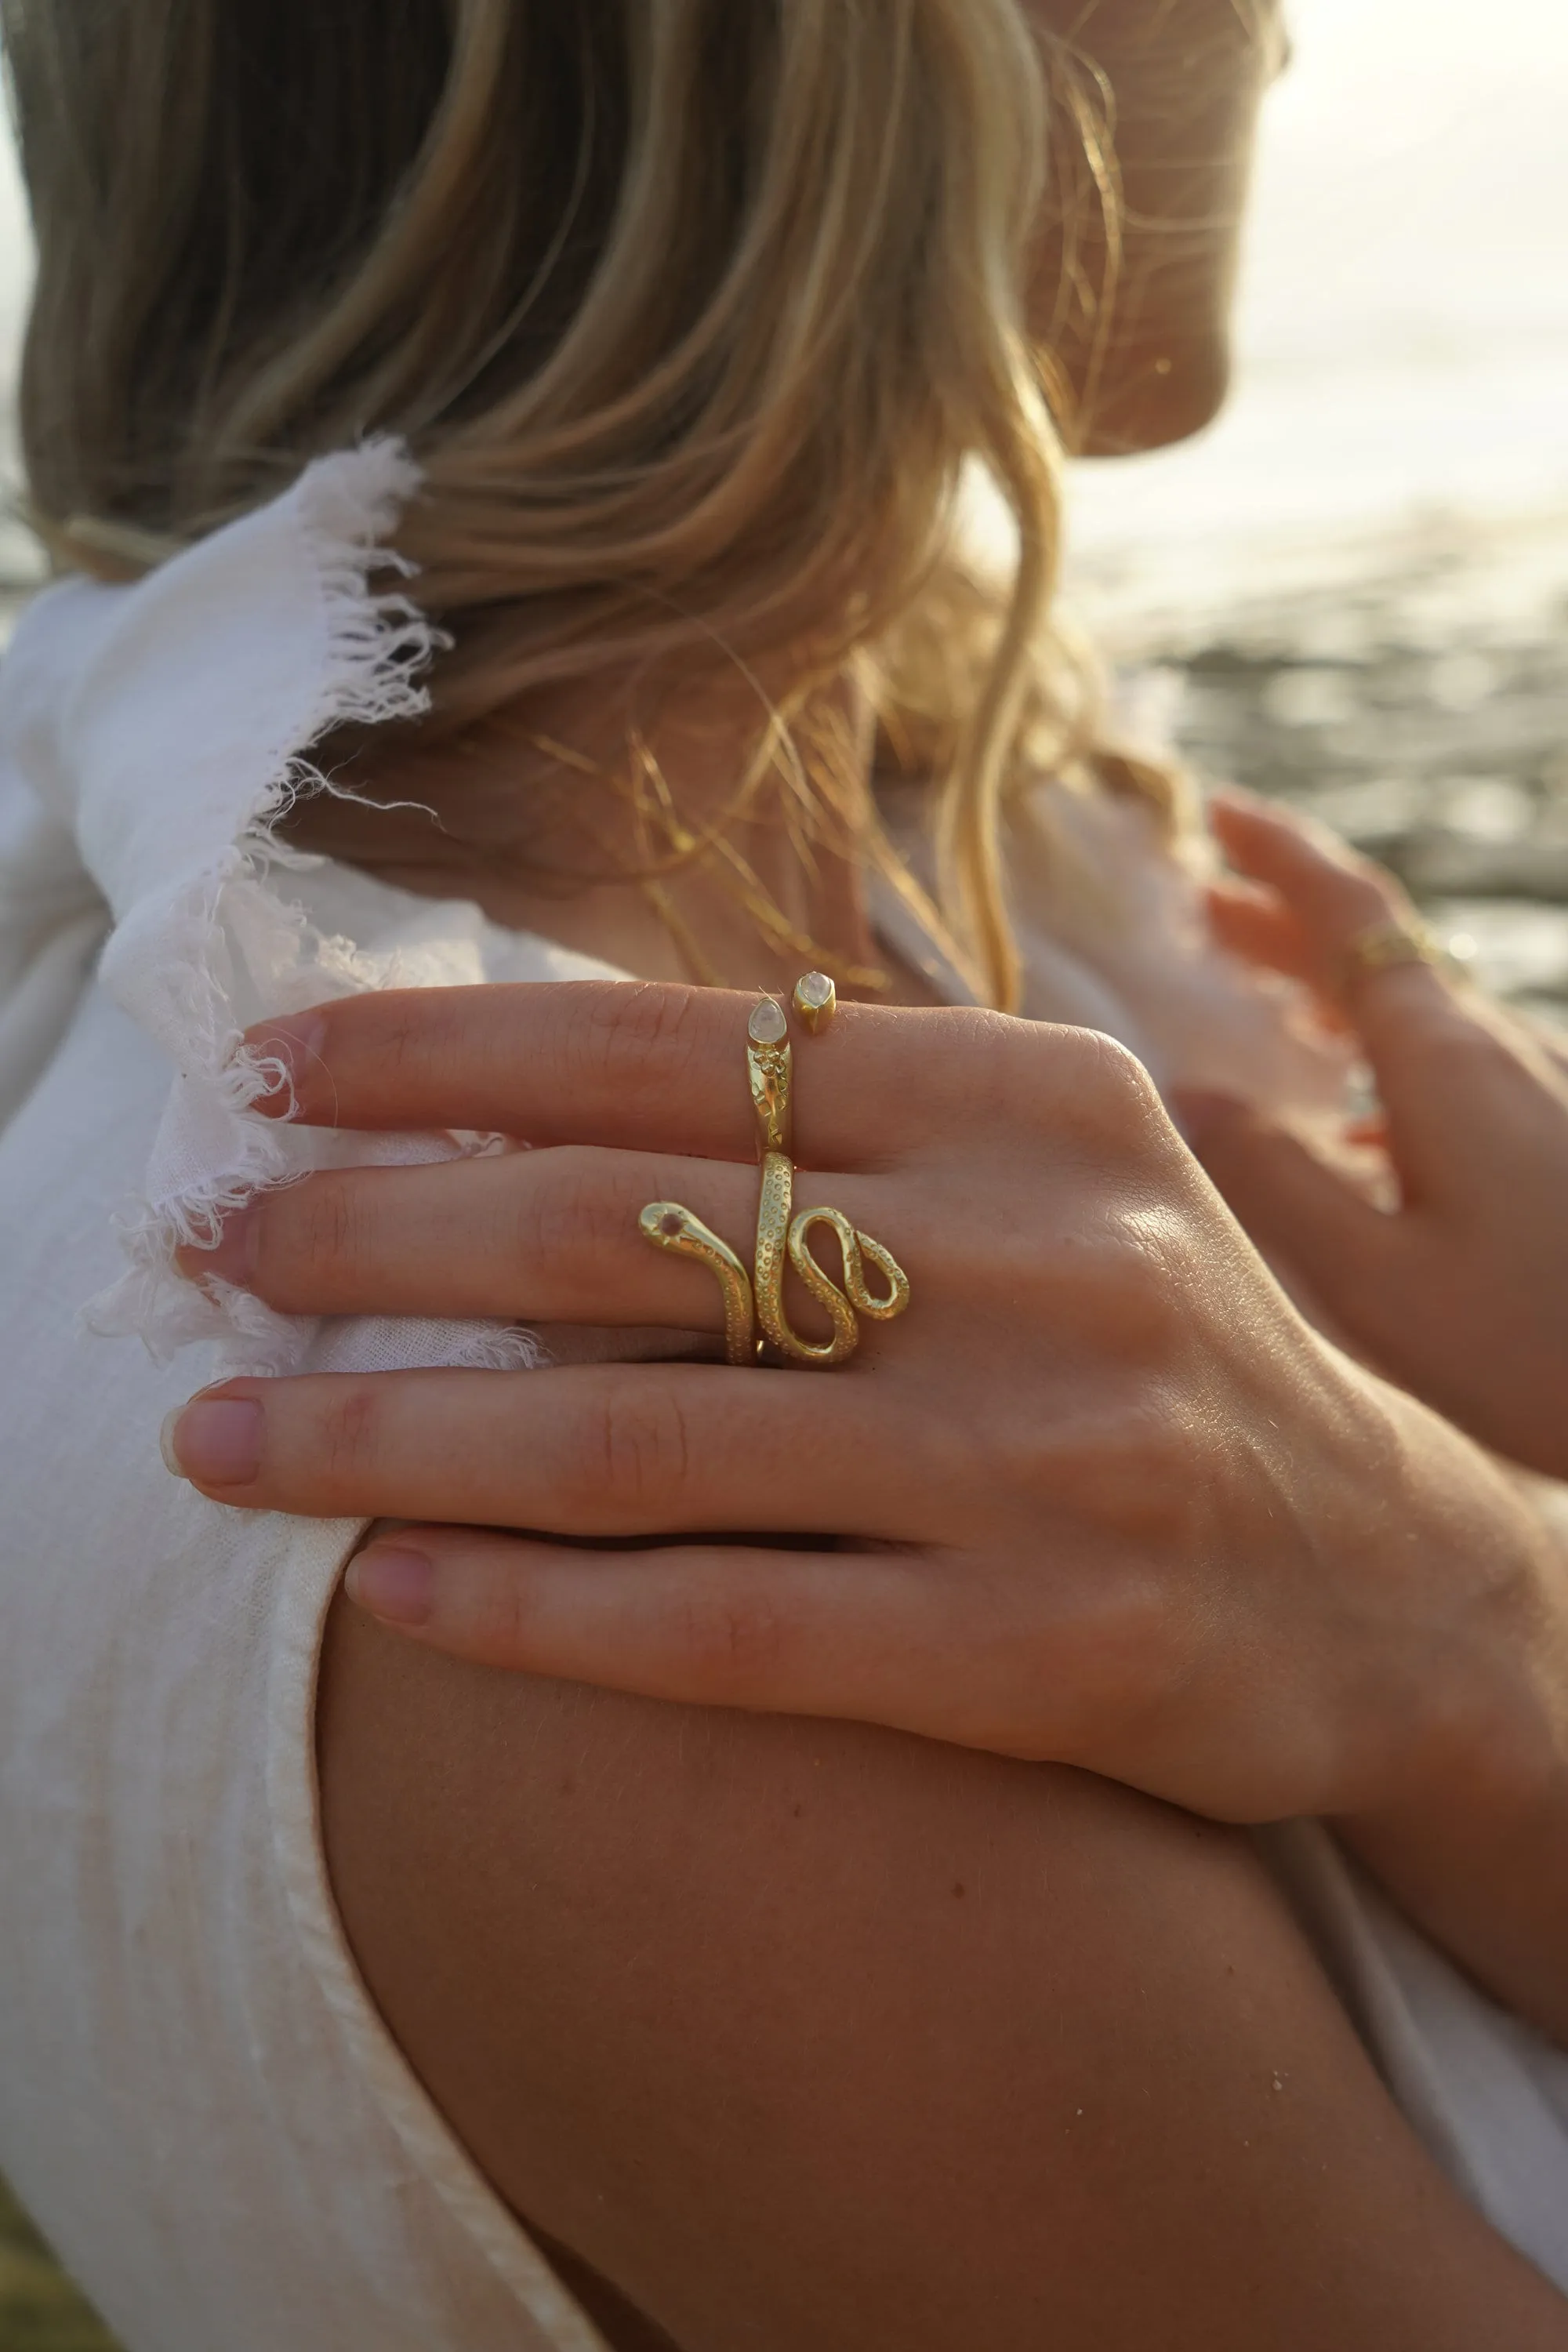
{"points": [[1460, 1292]]}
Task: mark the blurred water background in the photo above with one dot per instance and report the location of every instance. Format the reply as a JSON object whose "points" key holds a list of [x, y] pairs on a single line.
{"points": [[1353, 589]]}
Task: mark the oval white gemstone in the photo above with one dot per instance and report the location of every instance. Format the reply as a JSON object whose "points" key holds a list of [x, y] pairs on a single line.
{"points": [[767, 1025], [814, 987]]}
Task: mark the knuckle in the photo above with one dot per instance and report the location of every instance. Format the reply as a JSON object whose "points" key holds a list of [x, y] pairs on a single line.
{"points": [[1156, 1463], [1149, 1471], [1135, 1653], [1116, 1279], [732, 1640], [1127, 1465], [1116, 1098], [635, 1456], [313, 1241], [975, 1054], [1011, 1455], [411, 1033], [1144, 1303], [405, 1038], [1060, 1080], [503, 1607], [1355, 891], [981, 1035], [565, 1212], [328, 1224], [640, 1031], [351, 1436]]}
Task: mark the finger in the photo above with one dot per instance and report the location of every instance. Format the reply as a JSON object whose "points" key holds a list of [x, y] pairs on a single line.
{"points": [[868, 1636], [1423, 1042], [592, 1450], [1334, 894], [549, 1236], [1289, 1201], [1327, 897], [1258, 926], [646, 1066]]}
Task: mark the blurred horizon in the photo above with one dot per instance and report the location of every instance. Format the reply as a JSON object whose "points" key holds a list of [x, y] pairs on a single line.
{"points": [[1402, 332]]}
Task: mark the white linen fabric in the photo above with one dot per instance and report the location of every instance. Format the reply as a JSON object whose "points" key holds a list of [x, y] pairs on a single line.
{"points": [[198, 2099]]}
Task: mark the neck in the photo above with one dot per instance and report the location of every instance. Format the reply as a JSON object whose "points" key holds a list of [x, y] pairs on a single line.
{"points": [[629, 832]]}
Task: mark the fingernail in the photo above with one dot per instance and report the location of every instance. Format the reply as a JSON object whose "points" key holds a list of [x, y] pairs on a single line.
{"points": [[233, 1259], [397, 1586], [295, 1045], [215, 1442], [1199, 1111]]}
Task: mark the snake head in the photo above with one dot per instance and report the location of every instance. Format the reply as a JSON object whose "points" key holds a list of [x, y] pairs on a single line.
{"points": [[663, 1222]]}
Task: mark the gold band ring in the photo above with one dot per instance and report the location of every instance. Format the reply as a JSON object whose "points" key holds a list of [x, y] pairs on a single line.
{"points": [[782, 1235], [1382, 946]]}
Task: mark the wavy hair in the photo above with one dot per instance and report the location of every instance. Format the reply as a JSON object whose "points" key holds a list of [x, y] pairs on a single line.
{"points": [[695, 314]]}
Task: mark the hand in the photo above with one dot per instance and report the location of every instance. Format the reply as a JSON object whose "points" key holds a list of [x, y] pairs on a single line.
{"points": [[1461, 1294], [1100, 1497]]}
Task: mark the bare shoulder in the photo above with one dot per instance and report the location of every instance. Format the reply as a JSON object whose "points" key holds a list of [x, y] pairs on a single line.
{"points": [[808, 2035]]}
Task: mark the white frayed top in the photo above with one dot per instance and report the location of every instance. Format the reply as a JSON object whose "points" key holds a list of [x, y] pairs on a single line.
{"points": [[197, 2100], [163, 730]]}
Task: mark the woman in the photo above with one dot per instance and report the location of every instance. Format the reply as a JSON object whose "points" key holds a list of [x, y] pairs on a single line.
{"points": [[772, 2031]]}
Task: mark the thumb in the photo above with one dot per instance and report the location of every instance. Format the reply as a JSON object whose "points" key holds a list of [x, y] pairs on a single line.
{"points": [[1288, 1201]]}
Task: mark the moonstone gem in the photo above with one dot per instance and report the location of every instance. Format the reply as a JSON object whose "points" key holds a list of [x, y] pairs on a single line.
{"points": [[814, 987], [767, 1025]]}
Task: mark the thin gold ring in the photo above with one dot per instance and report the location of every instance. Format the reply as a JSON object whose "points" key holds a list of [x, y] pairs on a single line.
{"points": [[782, 1234], [1384, 946]]}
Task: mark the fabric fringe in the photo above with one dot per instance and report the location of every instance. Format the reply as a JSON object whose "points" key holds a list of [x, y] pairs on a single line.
{"points": [[378, 647]]}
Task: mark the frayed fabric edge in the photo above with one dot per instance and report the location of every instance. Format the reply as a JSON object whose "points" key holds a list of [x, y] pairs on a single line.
{"points": [[378, 643]]}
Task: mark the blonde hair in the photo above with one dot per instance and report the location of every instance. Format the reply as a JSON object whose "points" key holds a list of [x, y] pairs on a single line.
{"points": [[693, 312]]}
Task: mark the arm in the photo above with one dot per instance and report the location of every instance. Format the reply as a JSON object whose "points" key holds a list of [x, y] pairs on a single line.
{"points": [[814, 2038], [1474, 1846]]}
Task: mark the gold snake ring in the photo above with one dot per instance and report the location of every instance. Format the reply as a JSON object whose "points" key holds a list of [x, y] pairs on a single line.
{"points": [[782, 1235]]}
